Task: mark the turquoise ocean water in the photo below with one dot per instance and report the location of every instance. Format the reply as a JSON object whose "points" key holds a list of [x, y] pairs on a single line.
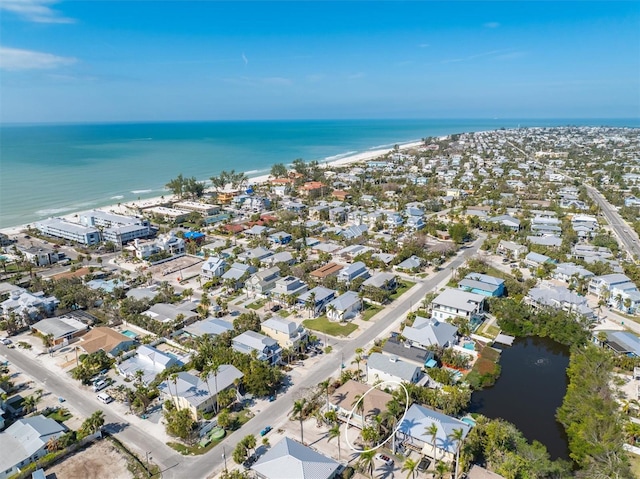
{"points": [[53, 170]]}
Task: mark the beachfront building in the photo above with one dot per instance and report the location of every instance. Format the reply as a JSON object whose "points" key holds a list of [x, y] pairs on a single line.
{"points": [[118, 229], [414, 433], [25, 441], [59, 228], [456, 303], [199, 395], [288, 333], [204, 209], [172, 215]]}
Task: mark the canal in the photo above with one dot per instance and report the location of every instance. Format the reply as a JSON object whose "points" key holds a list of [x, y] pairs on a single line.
{"points": [[530, 388]]}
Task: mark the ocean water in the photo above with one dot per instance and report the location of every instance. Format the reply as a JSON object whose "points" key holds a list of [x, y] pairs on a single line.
{"points": [[53, 170]]}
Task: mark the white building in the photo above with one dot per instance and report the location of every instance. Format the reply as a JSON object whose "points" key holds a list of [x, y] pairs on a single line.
{"points": [[59, 228]]}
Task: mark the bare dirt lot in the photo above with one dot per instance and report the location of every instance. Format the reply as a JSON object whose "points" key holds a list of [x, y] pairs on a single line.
{"points": [[99, 461]]}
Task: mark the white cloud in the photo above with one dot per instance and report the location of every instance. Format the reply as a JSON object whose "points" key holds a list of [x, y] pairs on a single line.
{"points": [[38, 11], [491, 25], [14, 59]]}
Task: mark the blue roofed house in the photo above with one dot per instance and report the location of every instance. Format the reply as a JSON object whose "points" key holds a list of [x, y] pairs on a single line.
{"points": [[280, 238], [25, 441], [381, 367], [621, 342], [427, 332], [483, 284], [319, 295], [353, 271], [267, 349], [413, 432], [344, 307], [213, 267]]}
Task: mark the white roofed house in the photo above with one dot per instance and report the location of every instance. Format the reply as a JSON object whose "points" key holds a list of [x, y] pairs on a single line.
{"points": [[198, 394], [40, 256], [150, 361], [29, 305], [558, 297], [61, 329], [266, 348], [288, 333], [617, 290], [453, 303], [414, 433], [344, 307], [570, 273], [511, 249], [427, 332], [213, 267], [353, 271], [382, 367], [506, 221], [262, 282]]}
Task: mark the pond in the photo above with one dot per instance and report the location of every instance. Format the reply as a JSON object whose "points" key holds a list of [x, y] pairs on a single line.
{"points": [[531, 387]]}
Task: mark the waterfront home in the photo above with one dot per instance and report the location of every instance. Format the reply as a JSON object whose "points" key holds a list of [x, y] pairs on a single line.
{"points": [[343, 399], [106, 339], [287, 332], [620, 342], [60, 329], [511, 249], [427, 332], [288, 459], [26, 304], [196, 394], [59, 228], [453, 302], [414, 433], [262, 282], [344, 307], [167, 312], [267, 349], [353, 271], [558, 297], [25, 441], [320, 297], [213, 267], [483, 284], [381, 367], [408, 353], [150, 361]]}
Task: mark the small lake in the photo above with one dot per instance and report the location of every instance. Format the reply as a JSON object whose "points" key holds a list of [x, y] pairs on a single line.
{"points": [[531, 387]]}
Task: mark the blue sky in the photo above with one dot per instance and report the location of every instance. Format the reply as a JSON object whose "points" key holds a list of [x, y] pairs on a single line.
{"points": [[84, 61]]}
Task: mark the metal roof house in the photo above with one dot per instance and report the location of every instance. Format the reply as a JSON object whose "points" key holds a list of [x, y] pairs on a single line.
{"points": [[621, 342], [289, 459], [483, 284], [267, 349], [344, 307], [453, 302], [381, 367], [426, 332]]}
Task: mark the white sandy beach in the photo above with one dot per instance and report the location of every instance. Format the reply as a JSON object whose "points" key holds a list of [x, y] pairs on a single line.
{"points": [[132, 206]]}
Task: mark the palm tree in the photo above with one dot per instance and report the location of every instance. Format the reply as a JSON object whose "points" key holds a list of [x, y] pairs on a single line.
{"points": [[29, 404], [53, 444], [365, 462], [331, 309], [358, 403], [433, 432], [298, 413], [358, 359], [458, 436], [93, 423], [410, 465], [334, 431], [441, 470]]}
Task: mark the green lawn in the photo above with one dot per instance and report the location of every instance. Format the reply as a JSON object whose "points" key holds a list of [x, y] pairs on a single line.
{"points": [[489, 331], [403, 287], [323, 325], [57, 416], [257, 304], [284, 313], [370, 310]]}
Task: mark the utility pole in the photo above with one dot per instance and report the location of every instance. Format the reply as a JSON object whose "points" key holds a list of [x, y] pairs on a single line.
{"points": [[224, 458]]}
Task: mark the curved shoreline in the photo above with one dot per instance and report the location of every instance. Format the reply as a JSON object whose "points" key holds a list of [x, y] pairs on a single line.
{"points": [[124, 208]]}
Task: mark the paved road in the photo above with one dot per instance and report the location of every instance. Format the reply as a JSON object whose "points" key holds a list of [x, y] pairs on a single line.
{"points": [[177, 466], [620, 227]]}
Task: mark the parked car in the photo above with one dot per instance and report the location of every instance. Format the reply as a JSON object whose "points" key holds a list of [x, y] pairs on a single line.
{"points": [[99, 385], [105, 398], [424, 464], [386, 459], [265, 431], [275, 308]]}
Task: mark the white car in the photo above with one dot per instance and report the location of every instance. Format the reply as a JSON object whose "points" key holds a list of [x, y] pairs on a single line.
{"points": [[386, 459], [104, 398]]}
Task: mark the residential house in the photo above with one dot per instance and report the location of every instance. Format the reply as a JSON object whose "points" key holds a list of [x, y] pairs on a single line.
{"points": [[344, 307], [280, 238], [550, 241], [343, 399], [206, 327], [26, 304], [427, 332], [617, 290], [281, 257], [288, 459], [355, 231], [213, 267], [25, 441], [507, 221], [535, 260], [312, 189], [237, 273], [262, 282], [328, 269], [479, 472], [455, 303], [168, 313], [171, 244], [412, 263], [106, 339], [385, 281], [408, 353], [511, 249], [319, 296], [620, 342], [353, 271], [482, 284], [559, 297], [199, 395], [288, 287], [413, 431], [381, 367], [60, 329], [150, 361], [266, 348], [288, 333], [40, 256], [260, 253], [570, 273]]}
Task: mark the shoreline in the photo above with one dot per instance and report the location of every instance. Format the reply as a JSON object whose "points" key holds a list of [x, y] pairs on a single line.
{"points": [[124, 208]]}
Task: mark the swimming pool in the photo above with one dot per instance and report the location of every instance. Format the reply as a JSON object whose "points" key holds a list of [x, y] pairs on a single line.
{"points": [[130, 334], [470, 345]]}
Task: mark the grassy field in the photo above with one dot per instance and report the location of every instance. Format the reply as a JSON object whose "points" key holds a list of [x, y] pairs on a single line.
{"points": [[403, 287], [323, 325], [635, 464], [257, 304], [370, 310]]}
